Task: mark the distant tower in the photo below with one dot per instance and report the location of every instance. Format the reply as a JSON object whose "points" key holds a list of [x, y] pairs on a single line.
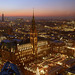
{"points": [[2, 17], [33, 36]]}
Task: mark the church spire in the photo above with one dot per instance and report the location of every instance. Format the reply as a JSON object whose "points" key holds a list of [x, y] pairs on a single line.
{"points": [[2, 17], [33, 13], [33, 21], [33, 36]]}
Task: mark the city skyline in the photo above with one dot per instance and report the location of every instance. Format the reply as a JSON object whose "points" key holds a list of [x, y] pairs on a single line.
{"points": [[42, 8], [37, 37]]}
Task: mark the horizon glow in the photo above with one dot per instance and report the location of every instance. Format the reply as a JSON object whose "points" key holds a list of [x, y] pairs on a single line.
{"points": [[41, 7]]}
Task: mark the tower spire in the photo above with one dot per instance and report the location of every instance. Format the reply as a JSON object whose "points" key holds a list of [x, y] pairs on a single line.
{"points": [[2, 17], [33, 13], [33, 21], [33, 36]]}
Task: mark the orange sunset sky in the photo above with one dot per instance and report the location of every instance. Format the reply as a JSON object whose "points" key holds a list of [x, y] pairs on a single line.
{"points": [[41, 7]]}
